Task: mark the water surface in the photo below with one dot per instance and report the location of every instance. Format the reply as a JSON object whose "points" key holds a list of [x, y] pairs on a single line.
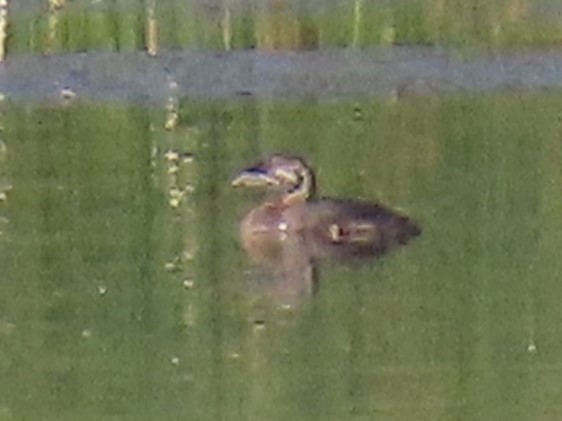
{"points": [[126, 295]]}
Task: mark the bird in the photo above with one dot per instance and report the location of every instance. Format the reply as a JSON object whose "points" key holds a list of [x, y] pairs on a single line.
{"points": [[293, 217]]}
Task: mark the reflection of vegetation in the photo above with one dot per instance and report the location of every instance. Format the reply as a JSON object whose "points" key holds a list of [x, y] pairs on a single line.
{"points": [[93, 325], [280, 28], [279, 25]]}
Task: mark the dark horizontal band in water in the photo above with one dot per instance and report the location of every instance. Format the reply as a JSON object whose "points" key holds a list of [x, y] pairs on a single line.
{"points": [[323, 74]]}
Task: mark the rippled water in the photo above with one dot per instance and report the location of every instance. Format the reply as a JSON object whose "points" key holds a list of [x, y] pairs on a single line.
{"points": [[324, 74], [126, 294]]}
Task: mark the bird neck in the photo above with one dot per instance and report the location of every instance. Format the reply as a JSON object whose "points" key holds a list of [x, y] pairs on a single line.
{"points": [[302, 191]]}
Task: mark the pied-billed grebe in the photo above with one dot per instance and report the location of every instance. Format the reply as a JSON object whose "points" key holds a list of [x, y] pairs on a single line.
{"points": [[340, 228]]}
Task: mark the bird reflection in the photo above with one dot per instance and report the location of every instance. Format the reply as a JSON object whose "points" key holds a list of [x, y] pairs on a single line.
{"points": [[292, 230]]}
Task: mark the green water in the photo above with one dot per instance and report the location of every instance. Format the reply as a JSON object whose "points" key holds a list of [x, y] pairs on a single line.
{"points": [[129, 25], [125, 294], [118, 303]]}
